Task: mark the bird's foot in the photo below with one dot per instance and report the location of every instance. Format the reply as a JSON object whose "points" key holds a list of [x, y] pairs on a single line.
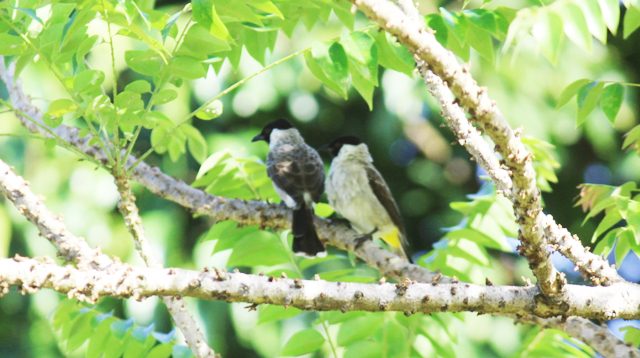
{"points": [[360, 240]]}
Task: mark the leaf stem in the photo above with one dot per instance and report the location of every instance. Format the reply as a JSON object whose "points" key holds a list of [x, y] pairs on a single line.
{"points": [[331, 344], [241, 82]]}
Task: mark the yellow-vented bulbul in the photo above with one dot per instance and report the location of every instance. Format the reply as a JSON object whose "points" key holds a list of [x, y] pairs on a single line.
{"points": [[297, 173], [357, 191]]}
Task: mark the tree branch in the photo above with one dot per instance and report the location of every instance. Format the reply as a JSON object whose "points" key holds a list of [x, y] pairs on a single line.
{"points": [[527, 203], [620, 300], [76, 249], [598, 336], [218, 208], [485, 113], [71, 247], [593, 267], [188, 326]]}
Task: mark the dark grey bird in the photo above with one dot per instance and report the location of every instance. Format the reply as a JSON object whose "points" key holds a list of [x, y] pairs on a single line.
{"points": [[357, 191], [297, 173]]}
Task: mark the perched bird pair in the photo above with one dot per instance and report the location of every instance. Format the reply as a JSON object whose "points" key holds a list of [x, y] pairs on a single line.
{"points": [[355, 188]]}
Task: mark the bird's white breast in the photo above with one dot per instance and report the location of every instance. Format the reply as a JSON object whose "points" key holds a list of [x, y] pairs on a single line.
{"points": [[351, 196]]}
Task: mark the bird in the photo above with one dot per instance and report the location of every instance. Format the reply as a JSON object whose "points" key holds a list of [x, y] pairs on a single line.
{"points": [[357, 191], [297, 173]]}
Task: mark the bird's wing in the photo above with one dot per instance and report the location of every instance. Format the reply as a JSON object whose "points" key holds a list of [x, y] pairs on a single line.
{"points": [[382, 192], [296, 170]]}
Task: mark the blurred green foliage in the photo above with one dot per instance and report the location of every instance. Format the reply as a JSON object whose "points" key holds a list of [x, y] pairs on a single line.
{"points": [[185, 86]]}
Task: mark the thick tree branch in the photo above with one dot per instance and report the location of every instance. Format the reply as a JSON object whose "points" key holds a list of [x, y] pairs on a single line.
{"points": [[71, 247], [76, 249], [485, 113], [527, 202], [620, 300], [593, 267]]}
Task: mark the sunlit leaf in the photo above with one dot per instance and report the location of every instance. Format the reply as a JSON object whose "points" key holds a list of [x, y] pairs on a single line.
{"points": [[211, 111], [146, 62], [588, 97], [330, 65], [611, 100], [11, 45], [303, 342], [610, 13], [358, 328], [631, 21], [575, 25]]}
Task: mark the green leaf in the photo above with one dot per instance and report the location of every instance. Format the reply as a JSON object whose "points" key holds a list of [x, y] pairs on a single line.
{"points": [[611, 218], [323, 210], [588, 97], [631, 335], [610, 13], [146, 62], [161, 351], [260, 248], [359, 328], [438, 338], [457, 24], [204, 12], [611, 100], [595, 20], [605, 245], [363, 63], [570, 91], [435, 22], [199, 43], [267, 7], [482, 19], [365, 349], [11, 45], [549, 35], [195, 142], [396, 332], [211, 111], [80, 330], [631, 21], [99, 338], [303, 342], [187, 67], [342, 9], [60, 107], [127, 100], [329, 65], [139, 86], [392, 55], [481, 41], [575, 25], [633, 136], [31, 13], [623, 245], [88, 81], [164, 96], [271, 313]]}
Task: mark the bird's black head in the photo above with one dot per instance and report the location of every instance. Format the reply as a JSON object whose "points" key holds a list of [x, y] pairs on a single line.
{"points": [[265, 134], [335, 146]]}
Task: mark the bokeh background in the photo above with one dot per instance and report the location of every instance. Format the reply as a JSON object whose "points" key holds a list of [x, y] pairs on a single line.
{"points": [[424, 168]]}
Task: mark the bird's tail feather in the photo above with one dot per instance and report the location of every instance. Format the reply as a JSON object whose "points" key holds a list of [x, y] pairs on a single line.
{"points": [[305, 238], [395, 238]]}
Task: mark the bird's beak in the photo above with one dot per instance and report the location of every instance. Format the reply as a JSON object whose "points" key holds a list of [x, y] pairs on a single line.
{"points": [[259, 137]]}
